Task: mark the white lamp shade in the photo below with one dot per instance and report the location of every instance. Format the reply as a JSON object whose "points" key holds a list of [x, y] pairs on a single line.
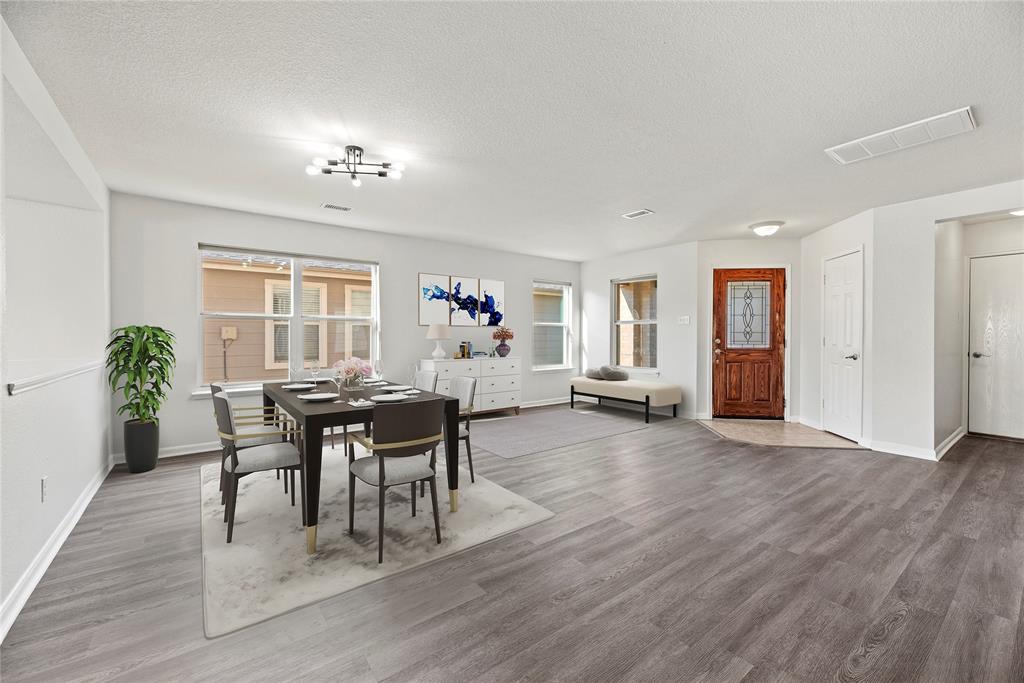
{"points": [[438, 331]]}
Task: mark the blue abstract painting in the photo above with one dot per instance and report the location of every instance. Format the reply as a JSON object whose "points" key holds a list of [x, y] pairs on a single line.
{"points": [[433, 299], [465, 301], [492, 302]]}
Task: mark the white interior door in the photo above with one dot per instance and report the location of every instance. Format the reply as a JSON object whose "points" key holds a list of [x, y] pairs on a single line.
{"points": [[843, 353], [996, 350]]}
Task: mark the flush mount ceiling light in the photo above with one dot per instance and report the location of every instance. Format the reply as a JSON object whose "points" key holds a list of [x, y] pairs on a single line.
{"points": [[909, 135], [350, 162], [766, 228]]}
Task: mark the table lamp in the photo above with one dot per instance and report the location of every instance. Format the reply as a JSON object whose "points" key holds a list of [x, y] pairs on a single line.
{"points": [[437, 333]]}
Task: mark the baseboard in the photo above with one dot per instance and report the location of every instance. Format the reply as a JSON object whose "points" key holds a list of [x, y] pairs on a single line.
{"points": [[545, 402], [21, 591], [175, 451], [900, 449], [950, 441]]}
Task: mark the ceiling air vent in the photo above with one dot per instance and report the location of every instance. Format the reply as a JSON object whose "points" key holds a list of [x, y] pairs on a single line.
{"points": [[633, 215], [336, 207], [913, 134]]}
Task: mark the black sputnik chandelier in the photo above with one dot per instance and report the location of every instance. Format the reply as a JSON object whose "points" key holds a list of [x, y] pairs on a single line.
{"points": [[350, 162]]}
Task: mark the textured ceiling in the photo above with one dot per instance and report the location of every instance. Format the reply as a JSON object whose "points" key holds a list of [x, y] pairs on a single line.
{"points": [[532, 126]]}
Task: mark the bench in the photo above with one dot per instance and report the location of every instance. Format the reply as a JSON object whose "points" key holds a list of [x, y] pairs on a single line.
{"points": [[641, 392]]}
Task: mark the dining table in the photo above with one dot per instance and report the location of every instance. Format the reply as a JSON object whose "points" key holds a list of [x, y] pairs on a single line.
{"points": [[313, 417]]}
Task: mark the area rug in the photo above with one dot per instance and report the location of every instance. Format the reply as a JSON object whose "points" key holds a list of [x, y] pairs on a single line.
{"points": [[777, 433], [545, 429], [265, 571]]}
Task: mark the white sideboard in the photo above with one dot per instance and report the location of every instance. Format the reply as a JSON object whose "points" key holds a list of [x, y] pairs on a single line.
{"points": [[499, 381]]}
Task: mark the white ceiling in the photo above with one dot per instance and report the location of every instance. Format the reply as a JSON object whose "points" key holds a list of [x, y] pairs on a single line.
{"points": [[532, 126]]}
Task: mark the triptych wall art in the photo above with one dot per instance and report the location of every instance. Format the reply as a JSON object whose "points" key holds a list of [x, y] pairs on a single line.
{"points": [[460, 301]]}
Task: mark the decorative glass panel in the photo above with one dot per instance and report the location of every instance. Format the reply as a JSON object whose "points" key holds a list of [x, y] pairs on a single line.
{"points": [[749, 316]]}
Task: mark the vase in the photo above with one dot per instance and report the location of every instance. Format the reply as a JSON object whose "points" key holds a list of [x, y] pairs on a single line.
{"points": [[141, 445], [354, 383], [503, 349]]}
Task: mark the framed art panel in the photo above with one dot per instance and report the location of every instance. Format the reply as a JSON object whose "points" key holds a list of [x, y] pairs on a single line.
{"points": [[465, 301], [434, 296], [492, 302]]}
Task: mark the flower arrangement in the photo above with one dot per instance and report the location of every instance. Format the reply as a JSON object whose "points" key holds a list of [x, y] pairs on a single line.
{"points": [[502, 334], [353, 367]]}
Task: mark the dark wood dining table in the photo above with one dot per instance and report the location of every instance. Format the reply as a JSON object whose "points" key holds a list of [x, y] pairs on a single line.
{"points": [[315, 416]]}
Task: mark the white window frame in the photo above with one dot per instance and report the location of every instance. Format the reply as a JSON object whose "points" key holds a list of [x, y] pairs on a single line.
{"points": [[617, 323], [566, 326], [294, 263], [268, 343]]}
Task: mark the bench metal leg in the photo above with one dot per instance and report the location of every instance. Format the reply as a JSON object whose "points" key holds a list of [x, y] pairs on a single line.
{"points": [[572, 397], [674, 406], [647, 409]]}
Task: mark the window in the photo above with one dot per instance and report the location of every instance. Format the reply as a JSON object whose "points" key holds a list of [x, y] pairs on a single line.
{"points": [[552, 318], [254, 328], [635, 322]]}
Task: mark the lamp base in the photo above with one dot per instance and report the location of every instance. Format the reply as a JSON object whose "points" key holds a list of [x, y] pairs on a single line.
{"points": [[439, 352]]}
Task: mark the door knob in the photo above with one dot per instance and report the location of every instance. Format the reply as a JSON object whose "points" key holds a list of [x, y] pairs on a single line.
{"points": [[717, 340], [979, 354], [718, 352], [852, 356]]}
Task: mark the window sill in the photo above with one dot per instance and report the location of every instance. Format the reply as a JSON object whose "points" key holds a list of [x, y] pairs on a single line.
{"points": [[554, 368], [639, 371]]}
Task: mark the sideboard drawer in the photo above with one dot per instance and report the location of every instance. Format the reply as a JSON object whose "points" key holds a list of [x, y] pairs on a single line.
{"points": [[491, 385], [499, 366], [505, 399], [444, 387], [458, 368]]}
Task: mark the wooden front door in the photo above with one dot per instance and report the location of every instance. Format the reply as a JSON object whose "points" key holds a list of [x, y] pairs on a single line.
{"points": [[748, 347]]}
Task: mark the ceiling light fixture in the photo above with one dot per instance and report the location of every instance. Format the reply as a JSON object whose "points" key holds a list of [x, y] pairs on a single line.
{"points": [[350, 162], [766, 228], [1018, 212]]}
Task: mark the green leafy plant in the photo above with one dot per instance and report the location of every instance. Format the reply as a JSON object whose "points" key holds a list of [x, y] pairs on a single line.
{"points": [[141, 362]]}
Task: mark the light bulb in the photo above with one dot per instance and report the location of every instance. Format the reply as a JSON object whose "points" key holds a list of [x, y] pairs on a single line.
{"points": [[397, 175], [398, 166], [312, 170], [356, 182], [339, 152], [320, 161]]}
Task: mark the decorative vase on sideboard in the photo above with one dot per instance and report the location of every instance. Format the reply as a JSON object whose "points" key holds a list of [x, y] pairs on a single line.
{"points": [[503, 349]]}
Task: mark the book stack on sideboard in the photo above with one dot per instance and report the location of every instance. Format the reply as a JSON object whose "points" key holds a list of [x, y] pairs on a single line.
{"points": [[498, 380]]}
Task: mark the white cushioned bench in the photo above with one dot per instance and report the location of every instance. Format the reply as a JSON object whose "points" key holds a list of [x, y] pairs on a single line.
{"points": [[646, 393]]}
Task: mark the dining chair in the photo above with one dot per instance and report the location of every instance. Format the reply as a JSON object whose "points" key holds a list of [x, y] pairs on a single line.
{"points": [[402, 436], [253, 422], [239, 462], [425, 380], [464, 389]]}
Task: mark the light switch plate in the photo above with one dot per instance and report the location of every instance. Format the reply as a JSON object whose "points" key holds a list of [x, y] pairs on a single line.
{"points": [[684, 320]]}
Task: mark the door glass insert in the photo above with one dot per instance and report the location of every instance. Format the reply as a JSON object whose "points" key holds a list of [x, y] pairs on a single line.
{"points": [[749, 316]]}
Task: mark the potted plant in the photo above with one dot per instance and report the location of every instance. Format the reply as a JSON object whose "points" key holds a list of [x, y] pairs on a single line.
{"points": [[502, 334], [141, 362]]}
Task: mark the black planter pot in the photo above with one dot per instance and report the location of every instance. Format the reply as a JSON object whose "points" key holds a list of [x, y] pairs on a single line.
{"points": [[141, 445]]}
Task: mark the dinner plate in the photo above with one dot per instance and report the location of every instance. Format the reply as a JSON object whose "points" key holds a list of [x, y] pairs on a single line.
{"points": [[324, 396], [397, 387], [388, 398], [299, 386]]}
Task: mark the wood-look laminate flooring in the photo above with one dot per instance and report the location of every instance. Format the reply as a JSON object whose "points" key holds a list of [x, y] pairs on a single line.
{"points": [[674, 555]]}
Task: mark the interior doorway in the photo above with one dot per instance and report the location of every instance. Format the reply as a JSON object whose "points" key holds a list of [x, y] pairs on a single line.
{"points": [[995, 350], [748, 346], [842, 375]]}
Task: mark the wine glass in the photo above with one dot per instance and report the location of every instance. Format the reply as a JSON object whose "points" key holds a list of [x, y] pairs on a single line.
{"points": [[314, 369], [338, 379], [378, 369], [296, 371]]}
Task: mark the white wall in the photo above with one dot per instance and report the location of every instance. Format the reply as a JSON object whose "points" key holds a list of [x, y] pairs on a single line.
{"points": [[676, 269], [949, 329], [55, 319], [749, 253], [155, 281], [994, 237], [841, 238], [903, 376]]}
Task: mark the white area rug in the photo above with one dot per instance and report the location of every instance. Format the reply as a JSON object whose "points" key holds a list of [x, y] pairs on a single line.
{"points": [[265, 571]]}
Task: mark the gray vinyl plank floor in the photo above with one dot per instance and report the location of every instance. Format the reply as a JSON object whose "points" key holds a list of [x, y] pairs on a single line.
{"points": [[673, 555]]}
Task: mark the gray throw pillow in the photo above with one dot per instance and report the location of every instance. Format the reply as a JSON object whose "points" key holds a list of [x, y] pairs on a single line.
{"points": [[593, 373], [611, 374]]}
